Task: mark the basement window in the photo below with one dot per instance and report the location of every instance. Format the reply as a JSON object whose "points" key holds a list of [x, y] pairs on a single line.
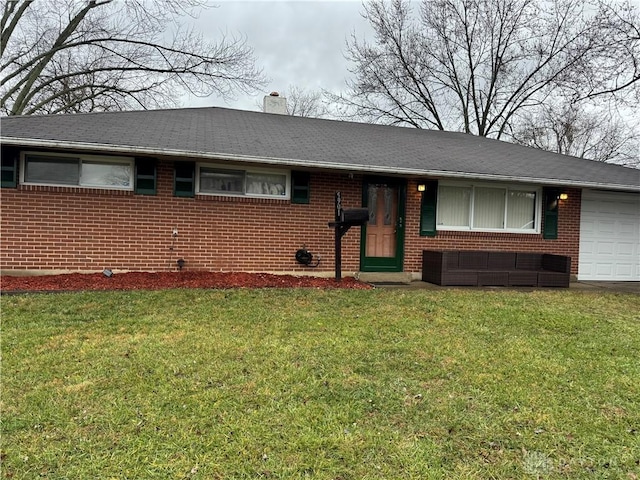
{"points": [[83, 171], [218, 180]]}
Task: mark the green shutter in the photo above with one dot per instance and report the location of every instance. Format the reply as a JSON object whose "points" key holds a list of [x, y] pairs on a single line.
{"points": [[550, 199], [184, 179], [428, 210], [300, 187], [9, 167], [146, 177]]}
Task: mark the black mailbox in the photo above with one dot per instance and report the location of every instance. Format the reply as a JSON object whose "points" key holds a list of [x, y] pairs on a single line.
{"points": [[344, 220], [354, 216]]}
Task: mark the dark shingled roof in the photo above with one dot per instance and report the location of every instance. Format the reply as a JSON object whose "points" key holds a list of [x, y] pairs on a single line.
{"points": [[303, 142]]}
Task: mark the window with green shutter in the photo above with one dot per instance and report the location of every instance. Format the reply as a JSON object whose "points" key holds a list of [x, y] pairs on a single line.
{"points": [[550, 228], [9, 168], [428, 209], [184, 179], [146, 176], [300, 187]]}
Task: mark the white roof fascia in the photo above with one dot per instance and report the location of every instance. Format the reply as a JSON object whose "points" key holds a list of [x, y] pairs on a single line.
{"points": [[195, 155]]}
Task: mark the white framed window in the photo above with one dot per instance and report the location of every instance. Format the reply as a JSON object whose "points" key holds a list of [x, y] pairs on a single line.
{"points": [[223, 180], [77, 170], [488, 207]]}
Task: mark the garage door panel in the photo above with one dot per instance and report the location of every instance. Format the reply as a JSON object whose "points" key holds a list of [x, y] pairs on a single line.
{"points": [[604, 269], [627, 209], [623, 271], [587, 271], [605, 248], [588, 248], [605, 227], [609, 236], [627, 229], [624, 249]]}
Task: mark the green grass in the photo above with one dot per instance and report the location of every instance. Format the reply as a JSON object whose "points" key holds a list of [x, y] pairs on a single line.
{"points": [[195, 384]]}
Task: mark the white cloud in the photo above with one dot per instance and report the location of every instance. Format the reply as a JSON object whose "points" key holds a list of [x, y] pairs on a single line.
{"points": [[297, 43]]}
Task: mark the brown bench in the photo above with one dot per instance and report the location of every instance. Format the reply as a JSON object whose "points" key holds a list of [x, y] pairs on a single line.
{"points": [[508, 269]]}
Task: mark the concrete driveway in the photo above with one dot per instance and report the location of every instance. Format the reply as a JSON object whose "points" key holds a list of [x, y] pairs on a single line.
{"points": [[621, 287]]}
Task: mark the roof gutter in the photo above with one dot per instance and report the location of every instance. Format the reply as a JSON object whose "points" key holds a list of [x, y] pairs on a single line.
{"points": [[132, 150]]}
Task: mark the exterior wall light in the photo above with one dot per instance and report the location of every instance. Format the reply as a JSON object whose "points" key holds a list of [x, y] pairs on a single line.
{"points": [[422, 187], [563, 196]]}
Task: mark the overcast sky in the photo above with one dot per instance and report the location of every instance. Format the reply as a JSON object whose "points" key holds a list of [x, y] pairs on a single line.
{"points": [[299, 43]]}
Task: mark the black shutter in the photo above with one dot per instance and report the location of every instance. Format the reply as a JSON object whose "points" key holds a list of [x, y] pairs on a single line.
{"points": [[9, 167], [550, 220], [184, 179], [146, 177], [428, 210], [300, 187]]}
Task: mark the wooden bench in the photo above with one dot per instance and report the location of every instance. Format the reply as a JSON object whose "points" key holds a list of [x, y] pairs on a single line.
{"points": [[484, 268]]}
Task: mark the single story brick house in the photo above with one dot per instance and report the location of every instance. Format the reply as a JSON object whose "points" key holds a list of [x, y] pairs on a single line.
{"points": [[231, 190]]}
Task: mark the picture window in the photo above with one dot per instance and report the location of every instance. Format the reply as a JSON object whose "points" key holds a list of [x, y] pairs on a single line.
{"points": [[488, 208], [83, 171], [217, 180]]}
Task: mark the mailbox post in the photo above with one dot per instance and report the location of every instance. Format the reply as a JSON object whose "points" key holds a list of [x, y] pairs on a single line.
{"points": [[344, 220]]}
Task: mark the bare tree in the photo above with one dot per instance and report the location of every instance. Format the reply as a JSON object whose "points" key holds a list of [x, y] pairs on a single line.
{"points": [[615, 65], [567, 128], [478, 65], [306, 103], [80, 56]]}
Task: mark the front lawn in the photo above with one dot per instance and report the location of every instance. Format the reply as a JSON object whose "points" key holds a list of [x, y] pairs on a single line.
{"points": [[206, 384]]}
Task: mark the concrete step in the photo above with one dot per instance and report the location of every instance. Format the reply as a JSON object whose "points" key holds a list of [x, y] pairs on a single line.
{"points": [[384, 277]]}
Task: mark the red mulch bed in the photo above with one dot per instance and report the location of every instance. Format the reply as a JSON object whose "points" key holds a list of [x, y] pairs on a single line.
{"points": [[166, 280]]}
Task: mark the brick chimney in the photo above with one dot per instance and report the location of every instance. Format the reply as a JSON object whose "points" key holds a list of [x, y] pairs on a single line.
{"points": [[274, 103]]}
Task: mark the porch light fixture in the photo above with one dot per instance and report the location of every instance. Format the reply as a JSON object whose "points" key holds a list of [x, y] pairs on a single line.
{"points": [[422, 187], [563, 196]]}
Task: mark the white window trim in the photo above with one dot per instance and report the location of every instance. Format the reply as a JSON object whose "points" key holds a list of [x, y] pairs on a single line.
{"points": [[89, 158], [523, 187], [246, 170]]}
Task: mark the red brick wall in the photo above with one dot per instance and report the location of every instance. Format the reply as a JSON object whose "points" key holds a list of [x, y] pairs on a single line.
{"points": [[566, 244], [46, 228], [68, 228]]}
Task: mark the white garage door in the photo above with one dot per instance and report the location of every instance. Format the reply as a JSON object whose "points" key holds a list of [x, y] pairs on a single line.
{"points": [[609, 236]]}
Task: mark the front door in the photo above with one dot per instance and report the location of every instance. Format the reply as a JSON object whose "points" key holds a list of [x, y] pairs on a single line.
{"points": [[382, 241]]}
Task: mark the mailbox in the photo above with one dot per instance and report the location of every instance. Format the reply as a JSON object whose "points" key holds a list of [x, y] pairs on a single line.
{"points": [[354, 216], [344, 220]]}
